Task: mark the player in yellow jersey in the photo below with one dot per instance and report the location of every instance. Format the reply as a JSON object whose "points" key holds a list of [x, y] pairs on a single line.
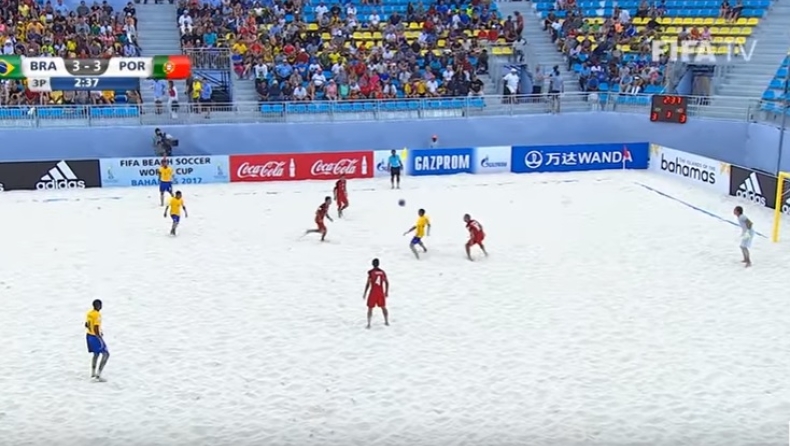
{"points": [[96, 344], [421, 229], [175, 207], [165, 181]]}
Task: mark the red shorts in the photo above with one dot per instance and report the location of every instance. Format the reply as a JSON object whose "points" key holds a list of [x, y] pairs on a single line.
{"points": [[320, 225], [342, 201], [376, 300], [476, 240]]}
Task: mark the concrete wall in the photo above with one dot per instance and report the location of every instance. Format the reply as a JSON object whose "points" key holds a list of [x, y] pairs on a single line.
{"points": [[741, 143]]}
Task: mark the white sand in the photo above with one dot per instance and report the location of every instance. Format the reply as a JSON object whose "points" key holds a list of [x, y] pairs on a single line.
{"points": [[606, 315]]}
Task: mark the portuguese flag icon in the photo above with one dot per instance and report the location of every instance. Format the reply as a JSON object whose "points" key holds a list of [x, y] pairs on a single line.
{"points": [[11, 67], [172, 67]]}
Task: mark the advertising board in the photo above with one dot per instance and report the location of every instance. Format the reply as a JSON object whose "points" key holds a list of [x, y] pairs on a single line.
{"points": [[580, 157], [440, 161], [301, 166], [126, 172], [693, 169], [381, 160], [494, 159], [49, 175]]}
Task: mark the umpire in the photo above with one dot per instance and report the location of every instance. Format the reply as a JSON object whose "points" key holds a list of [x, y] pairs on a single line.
{"points": [[395, 166]]}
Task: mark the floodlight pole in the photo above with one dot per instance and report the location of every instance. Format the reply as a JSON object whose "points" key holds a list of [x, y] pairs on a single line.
{"points": [[784, 122]]}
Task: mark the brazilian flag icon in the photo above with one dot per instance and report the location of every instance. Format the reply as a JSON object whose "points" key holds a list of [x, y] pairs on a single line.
{"points": [[11, 67]]}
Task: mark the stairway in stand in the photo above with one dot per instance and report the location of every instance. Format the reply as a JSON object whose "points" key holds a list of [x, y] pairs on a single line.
{"points": [[157, 27], [543, 52]]}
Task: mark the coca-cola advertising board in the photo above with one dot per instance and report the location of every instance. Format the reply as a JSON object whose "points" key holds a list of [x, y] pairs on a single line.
{"points": [[301, 166]]}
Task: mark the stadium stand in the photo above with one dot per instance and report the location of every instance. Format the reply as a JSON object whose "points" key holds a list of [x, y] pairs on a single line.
{"points": [[776, 97], [333, 58], [34, 29], [609, 44]]}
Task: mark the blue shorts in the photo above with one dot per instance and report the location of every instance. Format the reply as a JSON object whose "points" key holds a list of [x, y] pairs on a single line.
{"points": [[416, 240], [176, 218], [95, 345], [165, 186]]}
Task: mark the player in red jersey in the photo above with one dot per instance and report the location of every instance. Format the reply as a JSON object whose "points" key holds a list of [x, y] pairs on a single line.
{"points": [[476, 235], [377, 289], [341, 196], [320, 214]]}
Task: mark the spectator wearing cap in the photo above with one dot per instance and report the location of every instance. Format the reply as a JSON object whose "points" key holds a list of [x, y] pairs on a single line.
{"points": [[511, 81]]}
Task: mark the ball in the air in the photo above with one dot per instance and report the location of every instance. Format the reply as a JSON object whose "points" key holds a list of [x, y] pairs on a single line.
{"points": [[401, 202]]}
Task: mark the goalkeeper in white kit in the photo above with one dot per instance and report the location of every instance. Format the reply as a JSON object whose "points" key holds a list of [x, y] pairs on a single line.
{"points": [[747, 234]]}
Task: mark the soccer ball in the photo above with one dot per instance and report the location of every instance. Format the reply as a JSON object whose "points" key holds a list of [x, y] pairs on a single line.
{"points": [[401, 202]]}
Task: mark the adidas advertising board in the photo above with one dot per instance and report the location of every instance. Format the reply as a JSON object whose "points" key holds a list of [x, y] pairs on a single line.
{"points": [[711, 174], [49, 175], [752, 186]]}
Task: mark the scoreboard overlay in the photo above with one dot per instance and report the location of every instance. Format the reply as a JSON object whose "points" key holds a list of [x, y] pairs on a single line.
{"points": [[117, 73]]}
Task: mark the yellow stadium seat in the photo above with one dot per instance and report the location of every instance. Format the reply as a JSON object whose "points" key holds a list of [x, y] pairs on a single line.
{"points": [[707, 21], [715, 30], [742, 21], [441, 43], [640, 21], [718, 39], [725, 31], [740, 40], [688, 21], [720, 21], [754, 21], [312, 26], [414, 25], [326, 36], [357, 35], [745, 31], [729, 40], [699, 22], [367, 36], [377, 36], [677, 21], [671, 30]]}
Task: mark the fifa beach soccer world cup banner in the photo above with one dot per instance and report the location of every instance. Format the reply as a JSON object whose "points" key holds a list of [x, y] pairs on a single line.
{"points": [[495, 159], [534, 159], [125, 172], [693, 169], [381, 159]]}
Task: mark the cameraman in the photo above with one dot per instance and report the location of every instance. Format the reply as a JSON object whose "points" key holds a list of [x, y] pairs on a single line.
{"points": [[164, 143]]}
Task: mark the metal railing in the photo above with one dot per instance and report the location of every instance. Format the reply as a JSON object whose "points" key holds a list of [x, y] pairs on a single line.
{"points": [[716, 107], [209, 58]]}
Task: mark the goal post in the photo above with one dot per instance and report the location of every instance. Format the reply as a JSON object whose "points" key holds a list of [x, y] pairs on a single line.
{"points": [[780, 192]]}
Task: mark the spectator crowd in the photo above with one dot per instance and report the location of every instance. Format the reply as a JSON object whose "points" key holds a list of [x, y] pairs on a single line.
{"points": [[295, 51], [52, 29], [595, 51]]}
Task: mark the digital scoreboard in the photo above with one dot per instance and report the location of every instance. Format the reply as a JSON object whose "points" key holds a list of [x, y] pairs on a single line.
{"points": [[669, 108], [44, 74]]}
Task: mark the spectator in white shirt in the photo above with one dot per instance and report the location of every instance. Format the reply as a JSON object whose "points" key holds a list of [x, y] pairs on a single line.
{"points": [[511, 84], [350, 9], [185, 22], [374, 20], [318, 79], [300, 94], [433, 87], [320, 10], [261, 71], [448, 74]]}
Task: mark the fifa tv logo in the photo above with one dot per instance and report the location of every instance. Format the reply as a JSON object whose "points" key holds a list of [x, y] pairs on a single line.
{"points": [[701, 51]]}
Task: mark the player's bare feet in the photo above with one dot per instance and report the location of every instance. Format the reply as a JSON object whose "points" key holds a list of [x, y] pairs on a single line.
{"points": [[367, 327], [747, 264], [386, 323]]}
